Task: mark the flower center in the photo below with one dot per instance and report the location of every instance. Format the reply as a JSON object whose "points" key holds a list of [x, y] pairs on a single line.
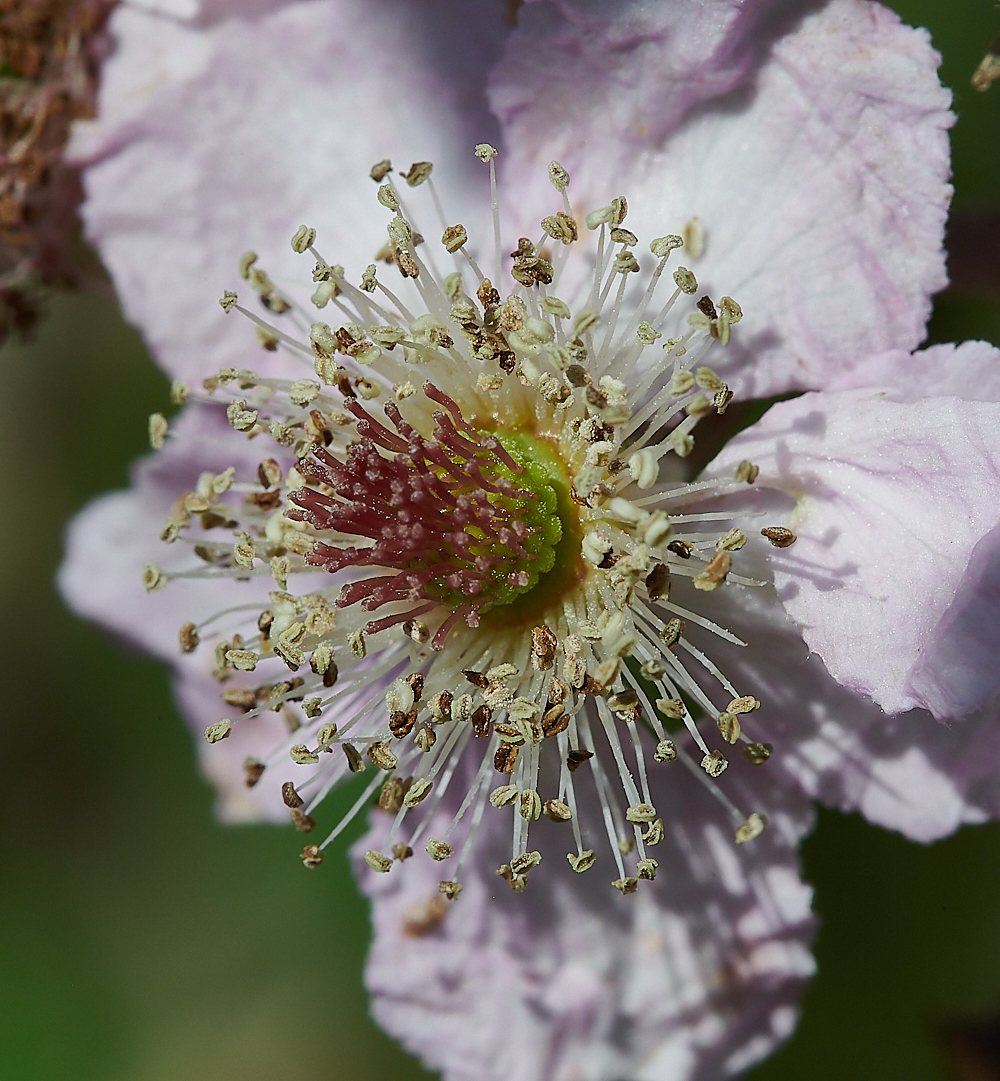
{"points": [[521, 514], [469, 519]]}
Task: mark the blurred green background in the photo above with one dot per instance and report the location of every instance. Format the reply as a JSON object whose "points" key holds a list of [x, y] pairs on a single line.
{"points": [[141, 941]]}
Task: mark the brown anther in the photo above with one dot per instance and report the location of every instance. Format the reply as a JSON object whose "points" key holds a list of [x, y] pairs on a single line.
{"points": [[543, 648], [626, 885], [405, 263], [345, 339], [254, 770], [507, 360], [597, 398], [488, 296], [426, 917], [706, 306], [450, 889], [747, 471], [557, 692], [211, 520], [312, 856], [481, 721], [505, 759], [401, 851], [556, 720], [401, 724], [290, 796], [188, 638], [592, 685], [575, 759], [681, 548], [301, 821], [264, 621], [658, 584], [244, 698], [416, 682], [477, 679], [380, 170], [756, 753], [509, 733], [577, 376], [355, 763], [269, 473], [723, 396], [266, 501], [779, 536]]}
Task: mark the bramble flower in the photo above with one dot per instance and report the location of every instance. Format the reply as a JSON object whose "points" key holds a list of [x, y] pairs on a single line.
{"points": [[536, 628], [511, 531]]}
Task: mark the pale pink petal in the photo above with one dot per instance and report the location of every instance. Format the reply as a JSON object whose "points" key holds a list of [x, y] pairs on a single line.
{"points": [[894, 576], [910, 773], [625, 73], [174, 9], [970, 370], [696, 976], [212, 142], [821, 181]]}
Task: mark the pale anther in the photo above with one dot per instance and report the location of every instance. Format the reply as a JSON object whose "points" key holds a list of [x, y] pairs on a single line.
{"points": [[558, 176], [665, 750], [438, 850], [219, 730], [304, 239], [686, 281], [419, 172], [714, 764], [377, 861], [157, 430], [753, 827]]}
